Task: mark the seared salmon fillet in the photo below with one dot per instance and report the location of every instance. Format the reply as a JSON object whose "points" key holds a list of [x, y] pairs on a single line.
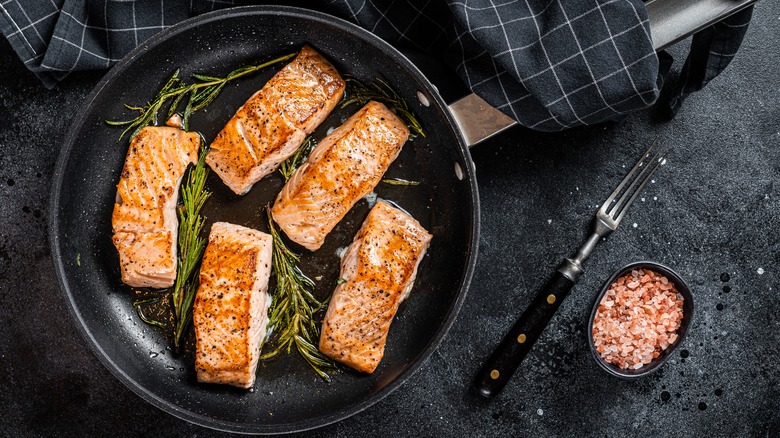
{"points": [[273, 123], [144, 220], [378, 270], [230, 313], [344, 167]]}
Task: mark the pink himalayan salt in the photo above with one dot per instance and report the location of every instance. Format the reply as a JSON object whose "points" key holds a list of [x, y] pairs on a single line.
{"points": [[637, 319]]}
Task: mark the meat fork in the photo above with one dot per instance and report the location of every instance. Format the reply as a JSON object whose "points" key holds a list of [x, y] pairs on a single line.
{"points": [[518, 342]]}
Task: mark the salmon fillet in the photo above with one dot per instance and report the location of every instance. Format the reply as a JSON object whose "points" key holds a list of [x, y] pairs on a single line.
{"points": [[378, 270], [230, 313], [344, 167], [273, 123], [144, 220]]}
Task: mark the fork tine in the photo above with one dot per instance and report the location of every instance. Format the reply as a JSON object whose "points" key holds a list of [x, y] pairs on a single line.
{"points": [[642, 185], [628, 177], [635, 180]]}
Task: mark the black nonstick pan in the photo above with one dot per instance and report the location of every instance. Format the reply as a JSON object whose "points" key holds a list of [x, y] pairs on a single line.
{"points": [[288, 396]]}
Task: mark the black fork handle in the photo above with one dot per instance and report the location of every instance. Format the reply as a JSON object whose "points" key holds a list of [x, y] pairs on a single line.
{"points": [[521, 338]]}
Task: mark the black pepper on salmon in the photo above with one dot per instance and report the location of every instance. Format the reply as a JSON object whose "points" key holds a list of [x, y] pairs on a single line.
{"points": [[378, 271], [345, 166], [144, 219], [274, 122], [230, 313]]}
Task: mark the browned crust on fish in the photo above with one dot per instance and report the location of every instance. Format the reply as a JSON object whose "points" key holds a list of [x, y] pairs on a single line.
{"points": [[343, 168], [273, 123], [379, 269], [231, 305], [144, 219], [308, 90]]}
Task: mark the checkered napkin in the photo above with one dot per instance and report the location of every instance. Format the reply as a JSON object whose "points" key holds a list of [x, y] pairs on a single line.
{"points": [[56, 37], [550, 64]]}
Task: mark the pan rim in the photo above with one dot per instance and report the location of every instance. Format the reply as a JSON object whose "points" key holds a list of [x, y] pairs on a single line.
{"points": [[147, 394]]}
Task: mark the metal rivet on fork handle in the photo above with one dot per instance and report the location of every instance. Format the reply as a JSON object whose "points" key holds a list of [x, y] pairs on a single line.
{"points": [[518, 342]]}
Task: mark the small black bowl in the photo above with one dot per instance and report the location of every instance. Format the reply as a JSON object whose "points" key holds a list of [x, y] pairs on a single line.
{"points": [[682, 288]]}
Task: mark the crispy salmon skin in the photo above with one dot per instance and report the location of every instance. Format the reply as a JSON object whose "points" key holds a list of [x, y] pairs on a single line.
{"points": [[144, 219], [273, 123], [344, 167], [230, 313], [378, 270]]}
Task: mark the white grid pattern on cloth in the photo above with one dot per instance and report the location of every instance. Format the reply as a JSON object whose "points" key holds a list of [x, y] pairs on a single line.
{"points": [[135, 29], [135, 26], [55, 37], [543, 62], [80, 49], [559, 105], [555, 74], [620, 56], [596, 81], [11, 29], [389, 22], [590, 70], [542, 122], [31, 25]]}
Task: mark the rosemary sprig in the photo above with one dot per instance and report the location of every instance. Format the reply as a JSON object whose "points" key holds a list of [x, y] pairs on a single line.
{"points": [[198, 94], [292, 311], [139, 303], [289, 165], [191, 245], [400, 182], [380, 90]]}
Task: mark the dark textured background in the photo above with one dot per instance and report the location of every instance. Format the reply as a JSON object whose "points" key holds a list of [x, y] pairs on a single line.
{"points": [[715, 208]]}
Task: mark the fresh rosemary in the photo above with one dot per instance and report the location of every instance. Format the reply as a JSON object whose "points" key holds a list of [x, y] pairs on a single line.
{"points": [[191, 245], [139, 303], [291, 317], [198, 94], [400, 182], [289, 165], [381, 91]]}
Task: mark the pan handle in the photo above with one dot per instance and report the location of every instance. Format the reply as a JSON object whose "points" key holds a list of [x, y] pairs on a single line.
{"points": [[670, 21], [675, 20], [477, 120]]}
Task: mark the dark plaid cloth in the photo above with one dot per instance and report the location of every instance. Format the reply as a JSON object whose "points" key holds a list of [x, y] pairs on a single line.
{"points": [[550, 64], [56, 37], [712, 50]]}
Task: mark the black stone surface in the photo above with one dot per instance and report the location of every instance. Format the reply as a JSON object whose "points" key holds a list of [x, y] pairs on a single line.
{"points": [[713, 215]]}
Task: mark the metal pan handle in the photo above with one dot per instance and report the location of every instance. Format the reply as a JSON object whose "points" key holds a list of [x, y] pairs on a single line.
{"points": [[675, 20], [477, 120], [670, 21]]}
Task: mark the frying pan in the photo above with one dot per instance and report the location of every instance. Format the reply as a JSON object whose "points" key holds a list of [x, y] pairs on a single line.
{"points": [[288, 396]]}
